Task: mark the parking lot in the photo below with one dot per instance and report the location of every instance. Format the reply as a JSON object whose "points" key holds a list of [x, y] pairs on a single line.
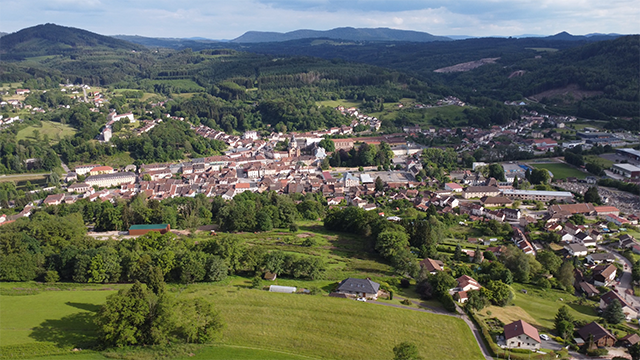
{"points": [[624, 201]]}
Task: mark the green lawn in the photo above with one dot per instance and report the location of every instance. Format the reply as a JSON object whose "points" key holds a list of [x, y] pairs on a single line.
{"points": [[54, 130], [604, 163], [540, 307], [561, 171], [259, 325]]}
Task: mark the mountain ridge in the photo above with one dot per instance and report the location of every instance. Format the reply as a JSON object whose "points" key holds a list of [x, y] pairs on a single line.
{"points": [[342, 33], [52, 39]]}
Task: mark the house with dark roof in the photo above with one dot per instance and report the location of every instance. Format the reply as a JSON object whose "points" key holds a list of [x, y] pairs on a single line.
{"points": [[601, 337], [600, 258], [359, 288], [629, 311], [587, 289], [521, 335]]}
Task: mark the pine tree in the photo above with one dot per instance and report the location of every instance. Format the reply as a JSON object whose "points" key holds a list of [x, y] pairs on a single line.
{"points": [[613, 312]]}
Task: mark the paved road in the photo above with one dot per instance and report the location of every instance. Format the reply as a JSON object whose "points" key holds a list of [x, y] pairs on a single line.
{"points": [[459, 314], [626, 279]]}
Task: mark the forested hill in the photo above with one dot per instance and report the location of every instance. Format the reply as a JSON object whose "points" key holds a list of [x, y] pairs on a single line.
{"points": [[51, 39], [344, 33]]}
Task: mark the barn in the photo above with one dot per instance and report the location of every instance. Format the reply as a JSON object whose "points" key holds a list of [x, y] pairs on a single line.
{"points": [[143, 229]]}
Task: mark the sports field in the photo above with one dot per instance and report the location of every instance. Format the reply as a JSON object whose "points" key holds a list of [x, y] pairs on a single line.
{"points": [[259, 325], [561, 171]]}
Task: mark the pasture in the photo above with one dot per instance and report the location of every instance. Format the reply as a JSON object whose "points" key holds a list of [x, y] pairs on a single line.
{"points": [[259, 324], [561, 171], [53, 130]]}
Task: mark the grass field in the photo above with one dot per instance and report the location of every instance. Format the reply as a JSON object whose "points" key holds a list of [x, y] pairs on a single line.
{"points": [[539, 307], [561, 171], [604, 163], [336, 103], [259, 325], [23, 177], [53, 130]]}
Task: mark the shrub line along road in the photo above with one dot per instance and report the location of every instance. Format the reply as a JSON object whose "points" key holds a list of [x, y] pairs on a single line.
{"points": [[431, 310]]}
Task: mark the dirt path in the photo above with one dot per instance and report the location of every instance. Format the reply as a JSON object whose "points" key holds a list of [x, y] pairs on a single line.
{"points": [[458, 314]]}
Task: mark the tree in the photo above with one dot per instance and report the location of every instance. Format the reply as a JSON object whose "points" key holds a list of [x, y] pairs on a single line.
{"points": [[328, 145], [592, 196], [477, 255], [613, 312], [476, 301], [441, 283], [498, 292], [406, 351], [565, 275], [458, 253], [263, 221], [197, 321], [379, 184], [549, 260], [577, 219], [564, 329], [389, 242], [539, 176], [563, 315], [121, 320], [496, 171]]}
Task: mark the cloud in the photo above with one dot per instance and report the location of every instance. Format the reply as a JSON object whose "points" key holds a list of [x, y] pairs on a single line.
{"points": [[229, 19]]}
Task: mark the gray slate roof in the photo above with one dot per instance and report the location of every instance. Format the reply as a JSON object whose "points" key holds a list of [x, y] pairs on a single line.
{"points": [[359, 285]]}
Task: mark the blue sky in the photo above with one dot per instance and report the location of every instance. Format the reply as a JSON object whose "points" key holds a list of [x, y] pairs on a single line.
{"points": [[231, 18]]}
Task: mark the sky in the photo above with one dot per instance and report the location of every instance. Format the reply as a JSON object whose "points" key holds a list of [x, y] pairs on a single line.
{"points": [[231, 18]]}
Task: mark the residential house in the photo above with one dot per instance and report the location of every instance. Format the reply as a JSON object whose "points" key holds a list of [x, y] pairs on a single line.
{"points": [[585, 239], [101, 170], [512, 214], [453, 187], [359, 288], [521, 335], [576, 250], [571, 228], [601, 337], [587, 289], [55, 199], [630, 339], [604, 275], [432, 266], [629, 311], [466, 283], [495, 201], [599, 258]]}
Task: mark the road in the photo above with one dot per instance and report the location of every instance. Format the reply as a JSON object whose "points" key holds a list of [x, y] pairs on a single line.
{"points": [[625, 287]]}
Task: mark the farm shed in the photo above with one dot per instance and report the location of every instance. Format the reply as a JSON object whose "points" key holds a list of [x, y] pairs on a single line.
{"points": [[282, 289], [143, 229]]}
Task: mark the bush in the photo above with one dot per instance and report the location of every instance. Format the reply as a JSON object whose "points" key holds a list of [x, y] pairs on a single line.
{"points": [[51, 276], [597, 352], [448, 303], [314, 290], [405, 283], [256, 283], [406, 302], [293, 227], [309, 242]]}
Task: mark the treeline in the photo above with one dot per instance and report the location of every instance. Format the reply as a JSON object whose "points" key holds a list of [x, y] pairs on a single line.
{"points": [[53, 248], [25, 155]]}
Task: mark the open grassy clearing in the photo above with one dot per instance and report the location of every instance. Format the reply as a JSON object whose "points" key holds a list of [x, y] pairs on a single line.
{"points": [[115, 161], [53, 130], [260, 325], [336, 103], [561, 171], [7, 86], [539, 307], [23, 177], [604, 163]]}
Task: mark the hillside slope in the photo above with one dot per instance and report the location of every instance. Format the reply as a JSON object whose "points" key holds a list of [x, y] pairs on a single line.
{"points": [[345, 33], [51, 39]]}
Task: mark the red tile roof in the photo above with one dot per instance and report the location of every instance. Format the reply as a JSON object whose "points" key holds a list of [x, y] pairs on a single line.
{"points": [[520, 327]]}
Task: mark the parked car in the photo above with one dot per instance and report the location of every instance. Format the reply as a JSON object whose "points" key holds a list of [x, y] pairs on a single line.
{"points": [[361, 299], [545, 337]]}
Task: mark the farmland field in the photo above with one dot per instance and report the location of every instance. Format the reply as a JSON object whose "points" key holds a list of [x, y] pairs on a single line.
{"points": [[53, 130], [259, 325], [561, 171]]}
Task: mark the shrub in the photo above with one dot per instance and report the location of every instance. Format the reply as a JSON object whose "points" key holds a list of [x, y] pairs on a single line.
{"points": [[314, 290], [448, 303], [405, 283], [406, 302], [309, 242], [293, 227], [597, 352], [51, 276], [256, 283]]}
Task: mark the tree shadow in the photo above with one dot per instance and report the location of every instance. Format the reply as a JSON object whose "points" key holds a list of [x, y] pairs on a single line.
{"points": [[72, 331], [84, 306], [583, 309]]}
